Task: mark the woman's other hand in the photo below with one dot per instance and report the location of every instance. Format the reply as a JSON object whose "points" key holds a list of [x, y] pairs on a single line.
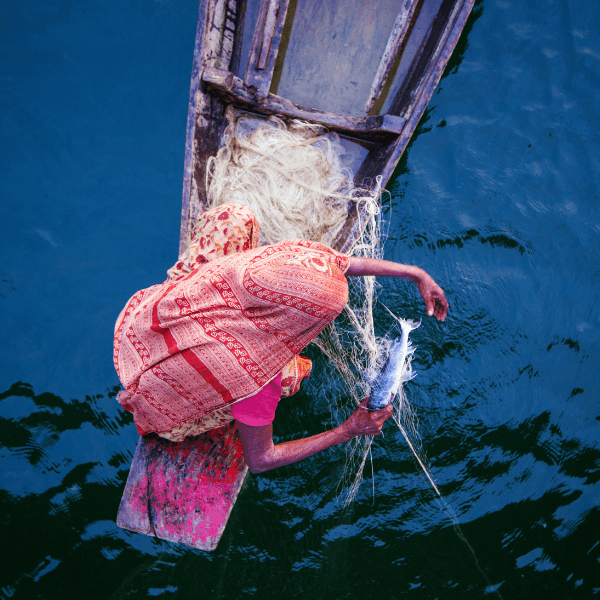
{"points": [[434, 297]]}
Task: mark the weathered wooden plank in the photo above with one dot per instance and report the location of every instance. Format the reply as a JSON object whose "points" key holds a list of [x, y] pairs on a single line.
{"points": [[395, 43], [215, 46], [333, 50], [265, 45], [232, 90], [432, 57], [258, 38], [268, 33], [238, 35], [184, 492]]}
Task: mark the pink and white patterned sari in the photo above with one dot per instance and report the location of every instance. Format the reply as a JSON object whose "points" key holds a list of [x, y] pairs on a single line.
{"points": [[229, 318]]}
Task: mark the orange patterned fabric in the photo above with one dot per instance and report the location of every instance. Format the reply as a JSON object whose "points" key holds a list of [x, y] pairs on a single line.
{"points": [[190, 347], [294, 373], [222, 231]]}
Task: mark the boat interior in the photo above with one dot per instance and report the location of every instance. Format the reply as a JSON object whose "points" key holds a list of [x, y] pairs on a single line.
{"points": [[363, 70]]}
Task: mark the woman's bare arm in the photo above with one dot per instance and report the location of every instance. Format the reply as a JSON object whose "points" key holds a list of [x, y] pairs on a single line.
{"points": [[261, 454], [433, 295]]}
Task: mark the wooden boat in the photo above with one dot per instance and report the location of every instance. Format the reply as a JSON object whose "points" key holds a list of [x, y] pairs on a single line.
{"points": [[364, 70]]}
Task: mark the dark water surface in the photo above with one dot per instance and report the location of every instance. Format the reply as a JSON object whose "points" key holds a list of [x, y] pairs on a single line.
{"points": [[497, 196]]}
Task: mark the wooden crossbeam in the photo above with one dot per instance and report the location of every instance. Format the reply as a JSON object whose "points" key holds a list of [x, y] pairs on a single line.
{"points": [[232, 90]]}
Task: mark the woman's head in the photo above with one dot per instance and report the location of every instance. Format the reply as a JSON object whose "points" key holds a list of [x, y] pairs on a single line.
{"points": [[218, 232]]}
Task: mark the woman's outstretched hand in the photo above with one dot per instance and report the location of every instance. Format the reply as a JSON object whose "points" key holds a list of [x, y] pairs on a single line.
{"points": [[434, 297], [435, 300], [366, 422]]}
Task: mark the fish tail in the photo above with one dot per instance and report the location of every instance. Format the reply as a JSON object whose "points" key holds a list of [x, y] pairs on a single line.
{"points": [[413, 324]]}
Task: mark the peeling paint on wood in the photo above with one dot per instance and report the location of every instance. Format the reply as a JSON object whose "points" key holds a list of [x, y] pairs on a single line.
{"points": [[184, 492]]}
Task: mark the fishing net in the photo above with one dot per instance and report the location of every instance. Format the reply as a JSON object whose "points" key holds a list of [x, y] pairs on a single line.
{"points": [[297, 180], [293, 178]]}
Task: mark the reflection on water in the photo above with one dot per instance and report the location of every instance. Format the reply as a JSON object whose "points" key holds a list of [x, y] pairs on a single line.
{"points": [[64, 464], [496, 197]]}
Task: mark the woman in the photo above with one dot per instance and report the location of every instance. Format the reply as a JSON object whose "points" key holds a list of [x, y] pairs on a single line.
{"points": [[220, 339]]}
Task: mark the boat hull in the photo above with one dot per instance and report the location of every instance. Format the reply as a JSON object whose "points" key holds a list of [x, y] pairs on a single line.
{"points": [[185, 492]]}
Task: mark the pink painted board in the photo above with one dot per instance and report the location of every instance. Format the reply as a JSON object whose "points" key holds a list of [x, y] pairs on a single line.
{"points": [[184, 492]]}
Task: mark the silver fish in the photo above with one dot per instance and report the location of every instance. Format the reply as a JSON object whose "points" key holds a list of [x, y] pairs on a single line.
{"points": [[396, 369]]}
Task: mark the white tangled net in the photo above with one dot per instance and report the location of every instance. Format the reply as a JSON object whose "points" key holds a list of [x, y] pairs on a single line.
{"points": [[295, 177]]}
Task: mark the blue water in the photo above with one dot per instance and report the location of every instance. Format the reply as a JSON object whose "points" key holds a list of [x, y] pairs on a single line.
{"points": [[497, 197]]}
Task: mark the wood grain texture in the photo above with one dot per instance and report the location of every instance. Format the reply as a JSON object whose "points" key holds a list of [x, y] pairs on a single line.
{"points": [[333, 52], [218, 24], [265, 46], [412, 99], [268, 33], [414, 95], [184, 492], [393, 48]]}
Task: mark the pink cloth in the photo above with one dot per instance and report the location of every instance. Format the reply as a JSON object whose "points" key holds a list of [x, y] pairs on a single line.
{"points": [[259, 409]]}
